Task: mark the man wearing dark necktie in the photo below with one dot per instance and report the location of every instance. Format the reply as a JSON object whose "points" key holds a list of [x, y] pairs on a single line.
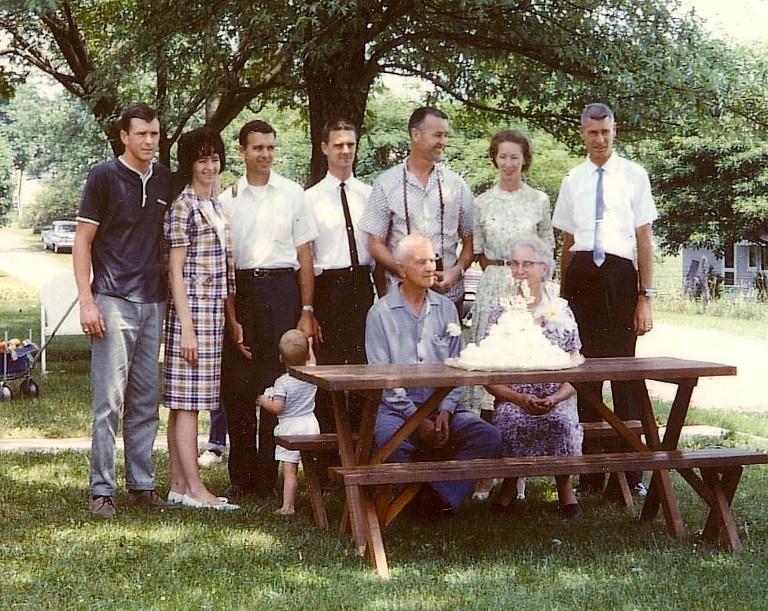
{"points": [[343, 287], [605, 210]]}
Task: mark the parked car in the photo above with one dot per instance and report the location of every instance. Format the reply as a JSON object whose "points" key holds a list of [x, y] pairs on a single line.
{"points": [[59, 236]]}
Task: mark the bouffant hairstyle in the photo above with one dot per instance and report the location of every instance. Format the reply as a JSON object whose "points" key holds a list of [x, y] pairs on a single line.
{"points": [[519, 138], [196, 144]]}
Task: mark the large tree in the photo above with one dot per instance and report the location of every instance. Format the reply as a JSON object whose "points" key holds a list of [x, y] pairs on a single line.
{"points": [[533, 60]]}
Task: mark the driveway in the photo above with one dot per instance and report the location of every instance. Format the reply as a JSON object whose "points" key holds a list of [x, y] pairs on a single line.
{"points": [[736, 392], [740, 392], [33, 267]]}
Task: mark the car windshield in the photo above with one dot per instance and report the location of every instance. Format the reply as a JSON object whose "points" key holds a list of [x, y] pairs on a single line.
{"points": [[68, 227]]}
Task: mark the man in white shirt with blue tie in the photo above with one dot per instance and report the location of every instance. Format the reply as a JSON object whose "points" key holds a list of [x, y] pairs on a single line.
{"points": [[605, 209]]}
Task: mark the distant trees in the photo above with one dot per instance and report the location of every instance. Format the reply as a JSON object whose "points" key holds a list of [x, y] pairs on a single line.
{"points": [[711, 192]]}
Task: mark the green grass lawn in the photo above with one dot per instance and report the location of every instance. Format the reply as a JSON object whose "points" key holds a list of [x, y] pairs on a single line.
{"points": [[55, 555]]}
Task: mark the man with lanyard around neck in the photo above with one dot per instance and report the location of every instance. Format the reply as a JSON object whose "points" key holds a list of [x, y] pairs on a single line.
{"points": [[119, 238], [272, 229], [343, 287], [423, 196]]}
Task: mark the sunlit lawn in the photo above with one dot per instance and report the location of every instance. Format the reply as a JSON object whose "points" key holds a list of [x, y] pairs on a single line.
{"points": [[55, 555]]}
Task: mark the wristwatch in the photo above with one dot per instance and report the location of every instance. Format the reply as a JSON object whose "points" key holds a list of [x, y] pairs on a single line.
{"points": [[307, 308], [650, 293]]}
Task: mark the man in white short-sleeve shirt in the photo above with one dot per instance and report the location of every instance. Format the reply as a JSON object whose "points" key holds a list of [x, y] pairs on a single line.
{"points": [[272, 229], [610, 297], [422, 195]]}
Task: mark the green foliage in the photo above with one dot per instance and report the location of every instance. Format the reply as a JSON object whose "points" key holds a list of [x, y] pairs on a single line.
{"points": [[7, 181], [710, 191], [537, 62]]}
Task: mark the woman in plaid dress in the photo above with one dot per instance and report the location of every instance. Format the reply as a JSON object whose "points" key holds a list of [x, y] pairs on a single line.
{"points": [[201, 277]]}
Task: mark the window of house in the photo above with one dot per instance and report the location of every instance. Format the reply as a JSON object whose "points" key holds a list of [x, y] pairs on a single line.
{"points": [[729, 255], [754, 257]]}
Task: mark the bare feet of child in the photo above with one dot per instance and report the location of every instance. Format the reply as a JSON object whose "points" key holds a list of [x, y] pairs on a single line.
{"points": [[286, 511]]}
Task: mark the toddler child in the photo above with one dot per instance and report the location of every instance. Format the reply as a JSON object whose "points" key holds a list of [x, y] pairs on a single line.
{"points": [[293, 402]]}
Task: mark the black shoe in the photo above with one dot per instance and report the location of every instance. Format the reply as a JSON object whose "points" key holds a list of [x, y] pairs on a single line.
{"points": [[572, 511], [511, 507], [233, 491], [428, 505], [584, 490]]}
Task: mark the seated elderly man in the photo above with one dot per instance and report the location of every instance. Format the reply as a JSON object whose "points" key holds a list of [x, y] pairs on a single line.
{"points": [[416, 325]]}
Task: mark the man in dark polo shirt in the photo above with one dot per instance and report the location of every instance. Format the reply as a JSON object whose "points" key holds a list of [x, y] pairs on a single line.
{"points": [[119, 239]]}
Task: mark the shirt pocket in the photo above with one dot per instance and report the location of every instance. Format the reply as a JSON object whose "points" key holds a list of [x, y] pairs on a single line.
{"points": [[281, 232]]}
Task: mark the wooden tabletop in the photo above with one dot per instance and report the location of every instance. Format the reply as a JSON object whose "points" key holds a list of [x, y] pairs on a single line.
{"points": [[374, 377]]}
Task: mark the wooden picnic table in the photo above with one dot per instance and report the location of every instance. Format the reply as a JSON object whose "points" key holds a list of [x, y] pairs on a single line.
{"points": [[372, 379]]}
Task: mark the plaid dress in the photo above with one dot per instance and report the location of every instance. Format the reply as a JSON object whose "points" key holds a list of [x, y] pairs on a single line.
{"points": [[208, 278]]}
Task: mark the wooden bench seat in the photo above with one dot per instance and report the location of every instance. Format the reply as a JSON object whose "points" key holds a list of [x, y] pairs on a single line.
{"points": [[312, 446], [720, 473]]}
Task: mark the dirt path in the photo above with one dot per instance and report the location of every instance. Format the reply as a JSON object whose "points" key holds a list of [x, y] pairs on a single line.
{"points": [[738, 392]]}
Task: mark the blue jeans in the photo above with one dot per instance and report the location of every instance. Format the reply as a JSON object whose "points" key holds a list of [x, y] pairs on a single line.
{"points": [[217, 434], [470, 437], [124, 380]]}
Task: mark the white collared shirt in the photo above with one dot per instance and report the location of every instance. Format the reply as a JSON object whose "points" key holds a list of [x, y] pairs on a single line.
{"points": [[331, 247], [628, 205], [268, 222]]}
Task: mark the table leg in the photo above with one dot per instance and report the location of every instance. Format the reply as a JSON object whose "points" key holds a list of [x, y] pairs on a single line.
{"points": [[375, 548], [675, 422], [347, 456], [720, 523]]}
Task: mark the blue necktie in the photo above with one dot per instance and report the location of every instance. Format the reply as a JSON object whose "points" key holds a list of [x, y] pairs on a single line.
{"points": [[598, 252]]}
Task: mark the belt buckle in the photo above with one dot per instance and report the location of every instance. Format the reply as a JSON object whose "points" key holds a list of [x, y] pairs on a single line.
{"points": [[260, 273]]}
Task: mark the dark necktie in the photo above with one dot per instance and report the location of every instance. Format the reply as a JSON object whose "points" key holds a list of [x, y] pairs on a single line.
{"points": [[350, 229], [598, 252]]}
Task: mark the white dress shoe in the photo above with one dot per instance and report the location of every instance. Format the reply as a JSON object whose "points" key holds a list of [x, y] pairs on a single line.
{"points": [[222, 505]]}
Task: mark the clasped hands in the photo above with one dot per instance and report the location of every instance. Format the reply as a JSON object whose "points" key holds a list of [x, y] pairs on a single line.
{"points": [[435, 433], [535, 406]]}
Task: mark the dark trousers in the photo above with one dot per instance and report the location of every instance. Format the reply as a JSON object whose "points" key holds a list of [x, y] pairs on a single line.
{"points": [[266, 308], [603, 299], [342, 300]]}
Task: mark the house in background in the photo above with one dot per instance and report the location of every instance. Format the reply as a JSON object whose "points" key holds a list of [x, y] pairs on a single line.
{"points": [[739, 266]]}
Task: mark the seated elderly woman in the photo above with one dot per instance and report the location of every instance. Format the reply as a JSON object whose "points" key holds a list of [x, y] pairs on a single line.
{"points": [[539, 419]]}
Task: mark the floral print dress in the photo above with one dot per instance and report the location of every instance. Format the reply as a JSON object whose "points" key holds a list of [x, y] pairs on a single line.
{"points": [[558, 432]]}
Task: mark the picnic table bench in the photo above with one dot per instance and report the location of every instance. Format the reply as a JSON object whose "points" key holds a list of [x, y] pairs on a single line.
{"points": [[716, 485], [312, 447]]}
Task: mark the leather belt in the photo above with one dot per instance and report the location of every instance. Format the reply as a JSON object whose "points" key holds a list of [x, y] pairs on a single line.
{"points": [[360, 269], [263, 272]]}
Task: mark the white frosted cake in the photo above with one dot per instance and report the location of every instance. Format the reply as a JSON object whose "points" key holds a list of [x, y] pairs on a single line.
{"points": [[515, 342]]}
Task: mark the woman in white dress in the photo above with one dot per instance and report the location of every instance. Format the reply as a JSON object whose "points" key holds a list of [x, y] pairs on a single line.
{"points": [[511, 209]]}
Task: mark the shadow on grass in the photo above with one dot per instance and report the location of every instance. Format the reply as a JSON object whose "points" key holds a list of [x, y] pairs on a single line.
{"points": [[55, 554]]}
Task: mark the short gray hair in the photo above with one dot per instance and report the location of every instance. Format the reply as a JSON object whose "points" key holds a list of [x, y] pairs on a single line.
{"points": [[406, 244], [537, 245], [597, 111]]}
